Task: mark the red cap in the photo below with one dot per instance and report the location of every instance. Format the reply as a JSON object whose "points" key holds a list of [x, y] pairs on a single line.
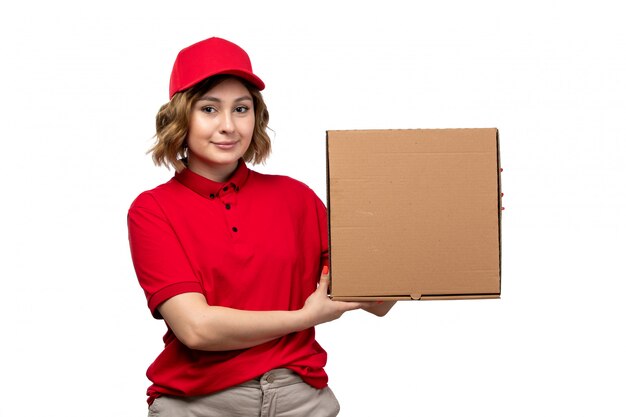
{"points": [[210, 57]]}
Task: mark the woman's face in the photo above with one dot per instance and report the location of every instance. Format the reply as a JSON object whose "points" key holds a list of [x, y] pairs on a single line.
{"points": [[220, 129]]}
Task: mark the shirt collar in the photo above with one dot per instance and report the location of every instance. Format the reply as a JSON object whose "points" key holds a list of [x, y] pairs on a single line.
{"points": [[211, 189]]}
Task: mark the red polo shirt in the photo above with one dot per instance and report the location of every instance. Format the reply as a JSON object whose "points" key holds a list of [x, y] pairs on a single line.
{"points": [[256, 242]]}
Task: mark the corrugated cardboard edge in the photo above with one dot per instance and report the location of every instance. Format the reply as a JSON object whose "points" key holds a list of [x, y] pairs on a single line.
{"points": [[382, 298], [499, 209], [330, 261], [420, 296]]}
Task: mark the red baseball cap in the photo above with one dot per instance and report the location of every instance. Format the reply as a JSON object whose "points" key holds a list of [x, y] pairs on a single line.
{"points": [[210, 57]]}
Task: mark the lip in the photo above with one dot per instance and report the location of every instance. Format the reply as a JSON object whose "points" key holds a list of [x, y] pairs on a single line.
{"points": [[225, 145]]}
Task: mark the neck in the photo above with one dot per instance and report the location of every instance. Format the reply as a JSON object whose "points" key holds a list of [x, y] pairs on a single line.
{"points": [[217, 173]]}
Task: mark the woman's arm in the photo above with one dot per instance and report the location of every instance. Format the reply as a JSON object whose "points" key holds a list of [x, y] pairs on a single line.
{"points": [[203, 327]]}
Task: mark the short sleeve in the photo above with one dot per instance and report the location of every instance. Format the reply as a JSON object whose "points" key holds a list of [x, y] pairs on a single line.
{"points": [[161, 265]]}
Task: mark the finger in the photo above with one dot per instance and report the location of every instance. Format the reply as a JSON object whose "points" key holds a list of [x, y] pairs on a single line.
{"points": [[349, 305], [324, 283], [324, 278], [369, 304]]}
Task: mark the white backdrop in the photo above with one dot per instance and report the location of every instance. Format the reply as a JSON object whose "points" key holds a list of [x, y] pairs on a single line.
{"points": [[82, 82]]}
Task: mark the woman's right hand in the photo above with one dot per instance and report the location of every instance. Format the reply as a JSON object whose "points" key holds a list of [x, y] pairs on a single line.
{"points": [[319, 308]]}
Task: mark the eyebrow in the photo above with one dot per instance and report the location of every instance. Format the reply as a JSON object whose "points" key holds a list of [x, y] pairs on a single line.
{"points": [[215, 99]]}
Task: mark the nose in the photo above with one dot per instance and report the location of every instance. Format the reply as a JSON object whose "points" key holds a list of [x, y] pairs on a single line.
{"points": [[227, 124]]}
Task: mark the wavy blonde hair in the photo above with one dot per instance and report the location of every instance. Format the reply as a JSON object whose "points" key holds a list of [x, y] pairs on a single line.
{"points": [[172, 125]]}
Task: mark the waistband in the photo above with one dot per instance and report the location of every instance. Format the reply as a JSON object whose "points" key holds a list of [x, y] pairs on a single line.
{"points": [[276, 378]]}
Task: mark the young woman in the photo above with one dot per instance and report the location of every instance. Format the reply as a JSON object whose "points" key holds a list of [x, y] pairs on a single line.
{"points": [[234, 261]]}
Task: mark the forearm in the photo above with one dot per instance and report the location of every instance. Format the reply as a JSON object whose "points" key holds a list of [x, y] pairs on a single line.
{"points": [[204, 327], [221, 328]]}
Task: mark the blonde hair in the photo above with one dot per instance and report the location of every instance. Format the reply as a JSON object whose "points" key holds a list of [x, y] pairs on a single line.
{"points": [[172, 125]]}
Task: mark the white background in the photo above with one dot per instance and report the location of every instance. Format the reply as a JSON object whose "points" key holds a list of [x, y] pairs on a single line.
{"points": [[81, 83]]}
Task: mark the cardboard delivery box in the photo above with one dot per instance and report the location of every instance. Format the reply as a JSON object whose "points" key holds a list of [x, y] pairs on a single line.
{"points": [[414, 214]]}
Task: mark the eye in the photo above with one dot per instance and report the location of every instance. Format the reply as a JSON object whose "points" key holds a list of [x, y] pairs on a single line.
{"points": [[241, 109], [208, 109]]}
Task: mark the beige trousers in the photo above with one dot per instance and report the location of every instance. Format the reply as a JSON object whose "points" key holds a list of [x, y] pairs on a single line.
{"points": [[278, 393]]}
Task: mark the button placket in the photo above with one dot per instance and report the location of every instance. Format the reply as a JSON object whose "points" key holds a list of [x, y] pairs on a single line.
{"points": [[227, 196]]}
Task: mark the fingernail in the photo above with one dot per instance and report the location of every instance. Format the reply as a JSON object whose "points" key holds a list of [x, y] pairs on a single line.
{"points": [[325, 270], [501, 194], [502, 208], [501, 169]]}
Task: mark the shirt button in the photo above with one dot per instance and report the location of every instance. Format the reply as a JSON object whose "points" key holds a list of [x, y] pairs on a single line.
{"points": [[235, 229], [227, 206], [271, 378], [212, 196]]}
